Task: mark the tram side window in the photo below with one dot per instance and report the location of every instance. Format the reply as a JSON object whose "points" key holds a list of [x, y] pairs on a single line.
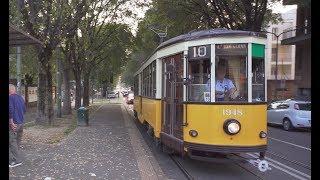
{"points": [[231, 72], [154, 79], [136, 85], [258, 80], [144, 82], [148, 81], [199, 76]]}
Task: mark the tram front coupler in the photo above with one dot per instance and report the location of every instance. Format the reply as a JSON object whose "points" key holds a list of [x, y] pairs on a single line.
{"points": [[261, 164]]}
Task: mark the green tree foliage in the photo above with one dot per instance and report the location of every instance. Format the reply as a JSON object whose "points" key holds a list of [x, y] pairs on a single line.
{"points": [[29, 63], [114, 56], [183, 16], [48, 21]]}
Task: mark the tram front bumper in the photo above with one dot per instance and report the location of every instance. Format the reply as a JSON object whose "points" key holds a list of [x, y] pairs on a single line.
{"points": [[196, 151]]}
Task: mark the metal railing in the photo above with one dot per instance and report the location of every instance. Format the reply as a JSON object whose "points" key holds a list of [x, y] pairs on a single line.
{"points": [[296, 31]]}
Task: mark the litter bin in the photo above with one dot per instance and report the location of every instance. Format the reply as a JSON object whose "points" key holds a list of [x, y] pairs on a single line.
{"points": [[83, 116]]}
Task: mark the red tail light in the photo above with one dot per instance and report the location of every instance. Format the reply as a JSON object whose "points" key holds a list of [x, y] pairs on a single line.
{"points": [[296, 106]]}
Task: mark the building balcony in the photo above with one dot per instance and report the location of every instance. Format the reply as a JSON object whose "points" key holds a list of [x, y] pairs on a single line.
{"points": [[296, 35]]}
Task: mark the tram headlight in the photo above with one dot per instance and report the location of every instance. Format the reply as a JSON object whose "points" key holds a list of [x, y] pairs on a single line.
{"points": [[262, 135], [231, 126], [193, 133]]}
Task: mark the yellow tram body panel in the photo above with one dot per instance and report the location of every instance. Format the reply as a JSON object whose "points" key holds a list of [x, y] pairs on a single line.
{"points": [[150, 112], [137, 104], [208, 121]]}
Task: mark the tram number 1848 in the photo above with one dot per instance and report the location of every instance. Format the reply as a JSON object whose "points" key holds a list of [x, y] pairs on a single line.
{"points": [[235, 112]]}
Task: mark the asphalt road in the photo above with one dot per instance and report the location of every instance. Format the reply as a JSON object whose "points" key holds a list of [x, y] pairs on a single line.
{"points": [[288, 155]]}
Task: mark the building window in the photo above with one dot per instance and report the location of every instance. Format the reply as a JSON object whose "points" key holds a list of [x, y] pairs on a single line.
{"points": [[284, 71]]}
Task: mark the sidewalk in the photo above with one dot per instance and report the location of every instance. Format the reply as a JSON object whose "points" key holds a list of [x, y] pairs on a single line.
{"points": [[110, 148]]}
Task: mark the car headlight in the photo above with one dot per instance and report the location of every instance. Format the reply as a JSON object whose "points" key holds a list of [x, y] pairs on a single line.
{"points": [[231, 126]]}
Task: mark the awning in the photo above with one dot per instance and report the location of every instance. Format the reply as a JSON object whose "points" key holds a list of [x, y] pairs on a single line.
{"points": [[18, 37]]}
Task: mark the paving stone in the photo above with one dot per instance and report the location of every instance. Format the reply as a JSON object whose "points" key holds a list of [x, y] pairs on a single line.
{"points": [[103, 148]]}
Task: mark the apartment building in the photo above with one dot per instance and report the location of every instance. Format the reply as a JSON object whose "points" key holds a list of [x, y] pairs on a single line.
{"points": [[284, 86], [301, 39]]}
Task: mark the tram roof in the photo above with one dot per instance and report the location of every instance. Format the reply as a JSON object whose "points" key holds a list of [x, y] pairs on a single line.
{"points": [[218, 32], [194, 35]]}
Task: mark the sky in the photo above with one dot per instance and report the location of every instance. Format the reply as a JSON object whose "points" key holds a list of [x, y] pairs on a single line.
{"points": [[279, 8]]}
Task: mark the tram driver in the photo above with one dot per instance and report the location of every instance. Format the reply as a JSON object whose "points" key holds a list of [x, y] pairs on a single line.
{"points": [[224, 86]]}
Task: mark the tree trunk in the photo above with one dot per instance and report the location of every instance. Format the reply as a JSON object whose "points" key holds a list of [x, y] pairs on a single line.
{"points": [[41, 102], [44, 102], [104, 90], [50, 110], [66, 109], [26, 95], [78, 90], [86, 88]]}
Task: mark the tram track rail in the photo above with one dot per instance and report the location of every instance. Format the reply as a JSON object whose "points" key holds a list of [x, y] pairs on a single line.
{"points": [[289, 160], [180, 166], [248, 170]]}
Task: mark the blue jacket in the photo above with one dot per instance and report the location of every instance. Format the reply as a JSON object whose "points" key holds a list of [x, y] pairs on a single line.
{"points": [[17, 108]]}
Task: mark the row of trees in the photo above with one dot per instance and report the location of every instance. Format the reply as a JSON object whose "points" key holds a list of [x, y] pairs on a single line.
{"points": [[183, 16], [96, 46], [86, 34]]}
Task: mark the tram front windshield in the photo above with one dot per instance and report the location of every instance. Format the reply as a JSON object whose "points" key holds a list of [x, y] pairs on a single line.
{"points": [[231, 78], [231, 75]]}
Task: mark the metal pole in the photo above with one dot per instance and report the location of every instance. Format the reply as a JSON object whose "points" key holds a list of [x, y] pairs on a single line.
{"points": [[161, 40], [59, 88], [19, 69], [276, 73]]}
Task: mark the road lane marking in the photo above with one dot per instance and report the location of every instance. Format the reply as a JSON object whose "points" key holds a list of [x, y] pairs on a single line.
{"points": [[290, 143], [282, 169], [292, 169]]}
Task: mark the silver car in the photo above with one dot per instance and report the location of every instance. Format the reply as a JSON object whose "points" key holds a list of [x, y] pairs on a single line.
{"points": [[111, 95], [290, 114]]}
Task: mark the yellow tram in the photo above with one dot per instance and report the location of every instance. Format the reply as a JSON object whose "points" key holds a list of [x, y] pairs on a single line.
{"points": [[174, 95]]}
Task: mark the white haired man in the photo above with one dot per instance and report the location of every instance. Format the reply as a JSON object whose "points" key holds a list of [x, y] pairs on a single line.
{"points": [[17, 109]]}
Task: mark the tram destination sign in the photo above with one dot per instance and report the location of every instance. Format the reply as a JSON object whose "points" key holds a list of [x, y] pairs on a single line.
{"points": [[199, 52], [231, 49]]}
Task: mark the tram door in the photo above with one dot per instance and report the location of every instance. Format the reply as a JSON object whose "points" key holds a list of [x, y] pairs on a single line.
{"points": [[172, 77]]}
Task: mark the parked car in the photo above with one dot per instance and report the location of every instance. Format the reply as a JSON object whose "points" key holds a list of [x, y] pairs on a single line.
{"points": [[125, 93], [111, 95], [130, 98], [290, 114]]}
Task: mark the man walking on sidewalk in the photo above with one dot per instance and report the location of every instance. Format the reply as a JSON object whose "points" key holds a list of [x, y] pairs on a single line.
{"points": [[16, 111]]}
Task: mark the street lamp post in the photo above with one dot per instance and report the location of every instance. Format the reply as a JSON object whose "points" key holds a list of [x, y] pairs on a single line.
{"points": [[277, 47]]}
